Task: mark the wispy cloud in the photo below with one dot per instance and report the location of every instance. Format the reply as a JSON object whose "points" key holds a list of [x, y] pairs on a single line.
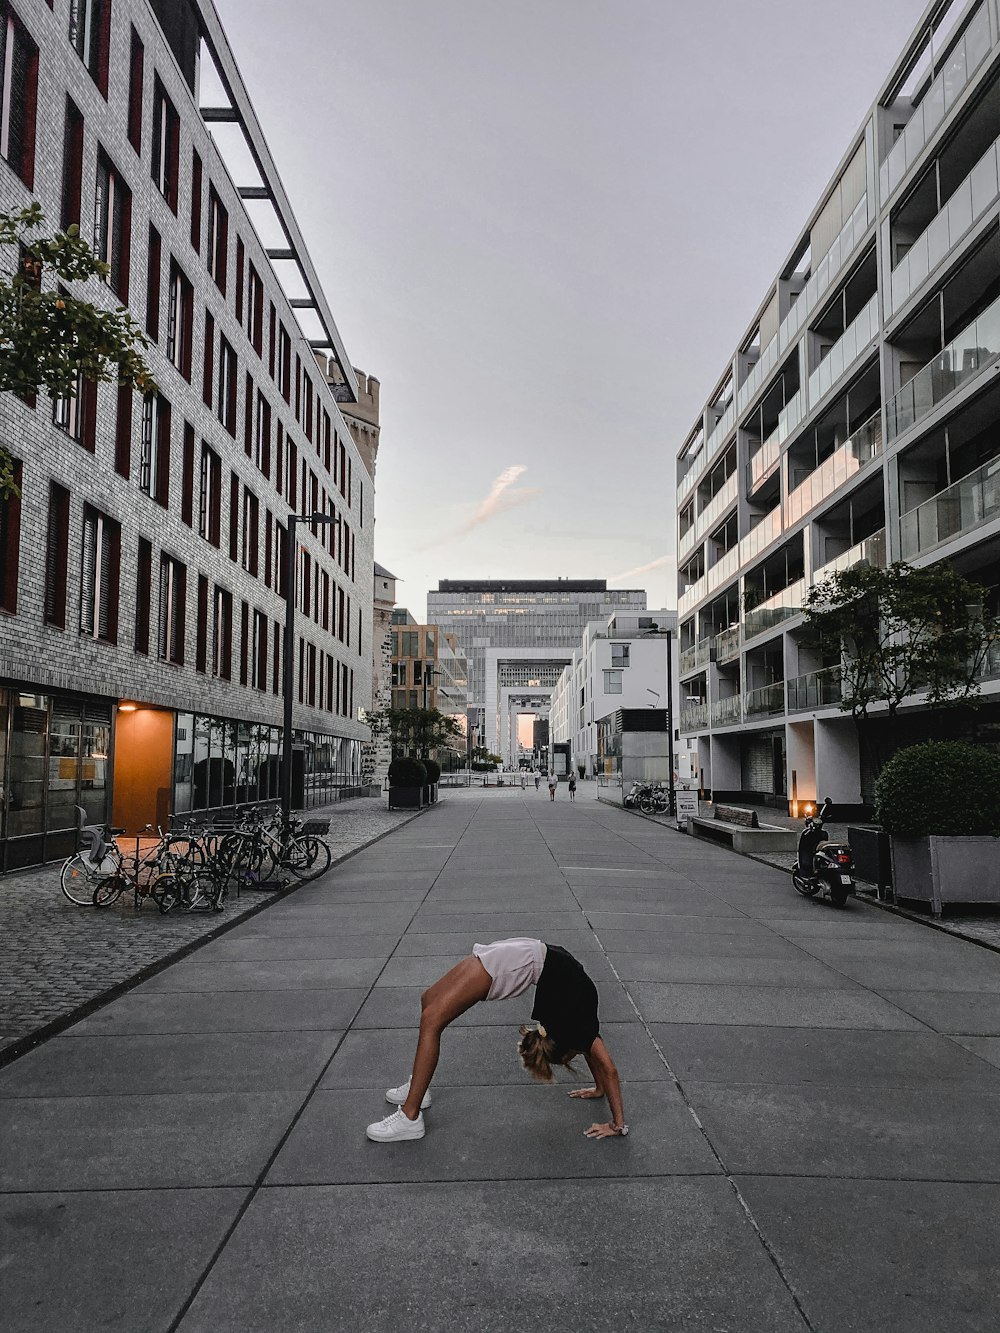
{"points": [[641, 569], [501, 497]]}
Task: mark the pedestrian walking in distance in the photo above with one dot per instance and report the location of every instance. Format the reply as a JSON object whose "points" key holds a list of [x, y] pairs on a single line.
{"points": [[572, 787], [565, 1011], [538, 778], [553, 784]]}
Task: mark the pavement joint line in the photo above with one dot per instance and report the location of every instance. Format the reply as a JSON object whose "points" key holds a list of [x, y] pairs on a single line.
{"points": [[256, 1186], [726, 1173]]}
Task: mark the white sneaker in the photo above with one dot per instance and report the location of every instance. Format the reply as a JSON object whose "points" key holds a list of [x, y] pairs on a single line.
{"points": [[395, 1128], [397, 1096]]}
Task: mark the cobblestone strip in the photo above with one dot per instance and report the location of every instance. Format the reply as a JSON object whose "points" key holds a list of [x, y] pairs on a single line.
{"points": [[57, 959]]}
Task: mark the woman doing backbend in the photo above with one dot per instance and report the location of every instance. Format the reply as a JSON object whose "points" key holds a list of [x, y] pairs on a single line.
{"points": [[565, 1010]]}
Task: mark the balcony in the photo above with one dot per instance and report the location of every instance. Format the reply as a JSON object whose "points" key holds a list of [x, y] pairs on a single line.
{"points": [[975, 348], [844, 352], [777, 609], [816, 689], [767, 701], [699, 655], [871, 551], [990, 669], [727, 712], [940, 97], [727, 644], [843, 464], [748, 548], [954, 511], [716, 507], [694, 717], [970, 201], [770, 451]]}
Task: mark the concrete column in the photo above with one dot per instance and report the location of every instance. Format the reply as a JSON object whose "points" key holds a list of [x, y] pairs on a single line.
{"points": [[838, 762], [726, 771], [800, 743]]}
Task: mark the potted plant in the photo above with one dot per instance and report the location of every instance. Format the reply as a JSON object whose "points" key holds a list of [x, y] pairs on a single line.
{"points": [[433, 778], [940, 802], [407, 779]]}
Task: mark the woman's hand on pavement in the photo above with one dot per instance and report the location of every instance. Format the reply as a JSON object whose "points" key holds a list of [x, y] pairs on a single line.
{"points": [[586, 1094], [606, 1131]]}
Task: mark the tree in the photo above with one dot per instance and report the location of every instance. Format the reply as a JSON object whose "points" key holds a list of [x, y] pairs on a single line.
{"points": [[901, 632], [414, 731], [49, 338]]}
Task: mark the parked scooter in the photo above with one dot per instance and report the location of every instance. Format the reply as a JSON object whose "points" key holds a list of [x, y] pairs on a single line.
{"points": [[821, 864], [631, 798]]}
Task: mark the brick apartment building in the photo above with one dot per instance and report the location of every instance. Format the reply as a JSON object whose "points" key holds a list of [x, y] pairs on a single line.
{"points": [[142, 570]]}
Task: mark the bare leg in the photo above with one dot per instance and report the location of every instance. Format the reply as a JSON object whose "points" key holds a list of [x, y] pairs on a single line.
{"points": [[466, 984]]}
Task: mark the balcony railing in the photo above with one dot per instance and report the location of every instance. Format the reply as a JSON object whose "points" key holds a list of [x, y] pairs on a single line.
{"points": [[871, 551], [766, 701], [699, 654], [940, 97], [727, 644], [782, 606], [975, 348], [990, 669], [716, 507], [770, 451], [748, 548], [844, 352], [976, 194], [842, 464], [816, 689], [961, 507], [693, 717], [727, 712]]}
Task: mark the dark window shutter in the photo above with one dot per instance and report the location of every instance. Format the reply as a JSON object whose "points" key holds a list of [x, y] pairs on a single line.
{"points": [[187, 476], [201, 642], [88, 571], [143, 592], [163, 453], [56, 556]]}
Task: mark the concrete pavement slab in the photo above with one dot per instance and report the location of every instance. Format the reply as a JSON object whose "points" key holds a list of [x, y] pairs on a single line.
{"points": [[834, 1056], [897, 1257], [523, 1255], [687, 943], [483, 1055], [399, 1007], [247, 947], [498, 925], [729, 922], [140, 1142], [931, 962], [426, 969], [986, 1048], [225, 1011], [715, 970], [200, 1062], [423, 945], [67, 1264], [964, 1012], [779, 1006], [359, 919], [265, 974], [680, 902], [513, 1132], [929, 1133]]}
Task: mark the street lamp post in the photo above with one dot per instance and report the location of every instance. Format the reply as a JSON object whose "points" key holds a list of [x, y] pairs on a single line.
{"points": [[288, 675]]}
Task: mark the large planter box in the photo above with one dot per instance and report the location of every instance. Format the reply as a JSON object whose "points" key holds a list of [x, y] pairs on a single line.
{"points": [[872, 856], [946, 870], [406, 798]]}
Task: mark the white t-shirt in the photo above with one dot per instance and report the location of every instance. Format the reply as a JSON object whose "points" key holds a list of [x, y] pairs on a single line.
{"points": [[513, 965]]}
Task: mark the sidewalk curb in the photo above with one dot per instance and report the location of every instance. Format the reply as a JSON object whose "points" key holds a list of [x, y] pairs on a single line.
{"points": [[52, 1029]]}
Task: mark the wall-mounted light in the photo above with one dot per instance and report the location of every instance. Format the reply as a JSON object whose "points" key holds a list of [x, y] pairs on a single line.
{"points": [[127, 708]]}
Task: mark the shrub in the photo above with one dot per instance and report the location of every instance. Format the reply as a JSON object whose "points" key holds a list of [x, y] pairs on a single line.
{"points": [[433, 770], [407, 773], [942, 788]]}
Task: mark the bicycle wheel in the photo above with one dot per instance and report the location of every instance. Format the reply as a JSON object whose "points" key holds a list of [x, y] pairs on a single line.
{"points": [[166, 892], [109, 890], [307, 857], [78, 879]]}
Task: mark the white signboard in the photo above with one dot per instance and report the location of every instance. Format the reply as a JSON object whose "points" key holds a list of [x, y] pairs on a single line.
{"points": [[687, 806]]}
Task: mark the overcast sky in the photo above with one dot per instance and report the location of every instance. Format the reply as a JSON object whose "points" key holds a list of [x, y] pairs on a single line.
{"points": [[543, 226]]}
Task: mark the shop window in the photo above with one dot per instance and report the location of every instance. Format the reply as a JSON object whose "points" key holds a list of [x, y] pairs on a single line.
{"points": [[56, 556], [99, 574], [173, 590], [18, 95]]}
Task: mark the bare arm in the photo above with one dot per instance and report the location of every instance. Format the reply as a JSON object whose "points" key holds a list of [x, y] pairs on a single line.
{"points": [[606, 1081]]}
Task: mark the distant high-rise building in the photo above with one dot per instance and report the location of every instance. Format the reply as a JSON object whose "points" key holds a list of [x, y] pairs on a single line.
{"points": [[518, 635]]}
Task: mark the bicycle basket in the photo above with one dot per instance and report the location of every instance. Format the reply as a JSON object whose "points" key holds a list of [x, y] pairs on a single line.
{"points": [[316, 826]]}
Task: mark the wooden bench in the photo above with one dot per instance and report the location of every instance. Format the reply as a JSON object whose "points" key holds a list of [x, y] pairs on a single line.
{"points": [[742, 831]]}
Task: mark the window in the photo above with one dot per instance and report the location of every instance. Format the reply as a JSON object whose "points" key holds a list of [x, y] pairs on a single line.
{"points": [[225, 400], [135, 73], [218, 240], [240, 263], [262, 437], [99, 572], [173, 587], [251, 539], [196, 193], [409, 642], [284, 364], [222, 634], [18, 95], [208, 362], [154, 460], [180, 320], [10, 539], [56, 553], [76, 413], [72, 181], [612, 682], [89, 34], [619, 654], [143, 594], [255, 310], [166, 145], [112, 224], [153, 270], [259, 658], [210, 495]]}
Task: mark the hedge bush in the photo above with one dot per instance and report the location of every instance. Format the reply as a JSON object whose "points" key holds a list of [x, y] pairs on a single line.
{"points": [[942, 788], [407, 773], [433, 770]]}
